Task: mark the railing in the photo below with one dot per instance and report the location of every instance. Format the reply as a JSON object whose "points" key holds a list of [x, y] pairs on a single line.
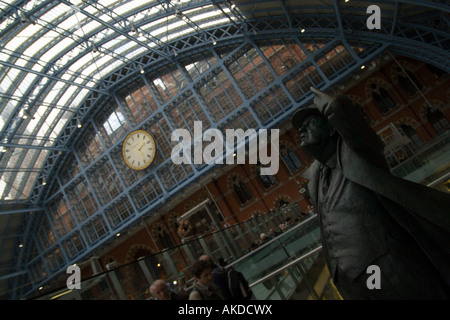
{"points": [[290, 276], [235, 244], [275, 269], [428, 161]]}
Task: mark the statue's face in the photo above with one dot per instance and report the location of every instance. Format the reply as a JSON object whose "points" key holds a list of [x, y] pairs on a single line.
{"points": [[314, 132]]}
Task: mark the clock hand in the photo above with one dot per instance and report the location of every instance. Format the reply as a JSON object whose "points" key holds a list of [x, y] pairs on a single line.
{"points": [[143, 143]]}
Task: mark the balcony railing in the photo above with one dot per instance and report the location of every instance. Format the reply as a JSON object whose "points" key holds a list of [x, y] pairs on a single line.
{"points": [[429, 163], [298, 235]]}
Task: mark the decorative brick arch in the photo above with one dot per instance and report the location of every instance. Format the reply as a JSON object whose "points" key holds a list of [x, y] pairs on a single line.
{"points": [[407, 65], [363, 105], [435, 103], [278, 198], [130, 256], [408, 121], [356, 99], [256, 212], [379, 82]]}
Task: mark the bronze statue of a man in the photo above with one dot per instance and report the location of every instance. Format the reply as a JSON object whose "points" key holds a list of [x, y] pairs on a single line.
{"points": [[369, 216]]}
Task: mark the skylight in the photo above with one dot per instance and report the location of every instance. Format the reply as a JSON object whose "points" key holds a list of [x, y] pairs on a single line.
{"points": [[58, 51]]}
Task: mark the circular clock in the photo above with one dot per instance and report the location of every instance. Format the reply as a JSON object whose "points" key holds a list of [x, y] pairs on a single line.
{"points": [[138, 149]]}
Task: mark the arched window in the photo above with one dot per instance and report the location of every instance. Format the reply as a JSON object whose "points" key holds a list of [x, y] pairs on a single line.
{"points": [[164, 238], [281, 203], [267, 180], [290, 158], [382, 99], [437, 120], [241, 190]]}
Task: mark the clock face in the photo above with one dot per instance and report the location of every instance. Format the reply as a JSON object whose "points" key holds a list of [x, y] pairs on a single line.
{"points": [[138, 150]]}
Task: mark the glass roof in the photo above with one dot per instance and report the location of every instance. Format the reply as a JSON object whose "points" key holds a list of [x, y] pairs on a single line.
{"points": [[53, 52]]}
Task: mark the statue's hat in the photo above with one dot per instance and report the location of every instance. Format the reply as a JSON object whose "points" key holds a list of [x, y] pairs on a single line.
{"points": [[301, 114]]}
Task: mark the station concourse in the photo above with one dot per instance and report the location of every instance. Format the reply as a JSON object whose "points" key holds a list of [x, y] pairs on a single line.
{"points": [[91, 93]]}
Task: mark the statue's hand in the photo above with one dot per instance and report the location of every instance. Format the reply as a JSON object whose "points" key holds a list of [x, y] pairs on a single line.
{"points": [[322, 100]]}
